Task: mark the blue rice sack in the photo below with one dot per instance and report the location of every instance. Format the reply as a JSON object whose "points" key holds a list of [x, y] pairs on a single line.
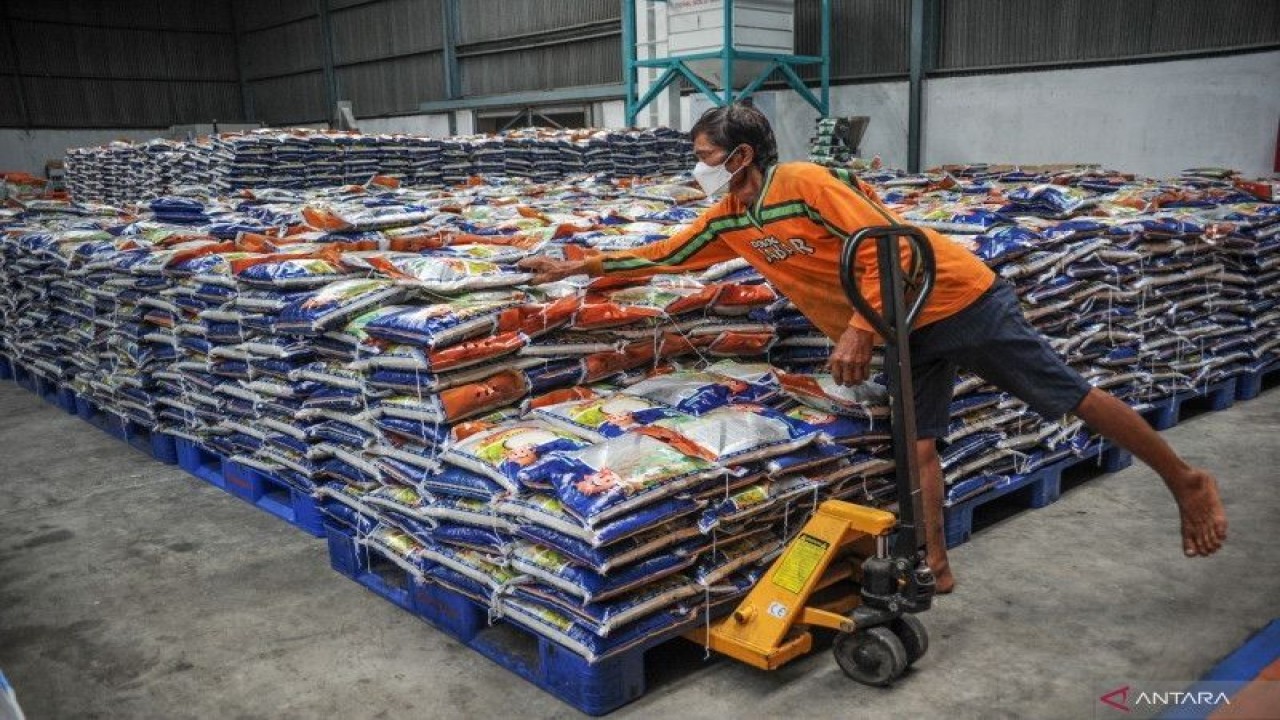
{"points": [[550, 567], [482, 540], [868, 400], [725, 560], [503, 452], [840, 428], [605, 417], [547, 511], [442, 324], [696, 392], [756, 499], [414, 382], [419, 431], [465, 511], [968, 447], [675, 537], [735, 434], [335, 304], [293, 274], [618, 476], [446, 275], [398, 547], [606, 617], [476, 567], [562, 630]]}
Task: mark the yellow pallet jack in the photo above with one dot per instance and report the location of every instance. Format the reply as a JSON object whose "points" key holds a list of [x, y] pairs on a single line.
{"points": [[857, 570]]}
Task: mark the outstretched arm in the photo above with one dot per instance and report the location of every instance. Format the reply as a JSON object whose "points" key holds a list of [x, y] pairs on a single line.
{"points": [[696, 247]]}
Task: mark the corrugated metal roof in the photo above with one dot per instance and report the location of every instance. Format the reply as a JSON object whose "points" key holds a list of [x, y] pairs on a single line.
{"points": [[992, 33], [386, 28], [590, 62], [292, 99], [10, 111], [211, 57], [868, 37], [392, 86], [196, 15], [292, 48], [254, 14], [205, 102], [62, 102], [485, 20]]}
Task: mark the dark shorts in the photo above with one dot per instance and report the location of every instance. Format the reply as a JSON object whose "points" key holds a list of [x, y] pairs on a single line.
{"points": [[992, 339]]}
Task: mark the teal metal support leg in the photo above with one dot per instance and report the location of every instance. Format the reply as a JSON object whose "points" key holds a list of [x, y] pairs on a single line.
{"points": [[629, 69], [449, 32], [697, 82], [671, 74], [915, 102], [726, 73], [826, 58], [755, 84], [798, 85]]}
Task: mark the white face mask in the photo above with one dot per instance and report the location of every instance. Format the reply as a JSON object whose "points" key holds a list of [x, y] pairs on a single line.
{"points": [[713, 178]]}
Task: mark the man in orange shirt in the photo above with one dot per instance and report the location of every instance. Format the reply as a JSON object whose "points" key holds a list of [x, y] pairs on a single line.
{"points": [[790, 222]]}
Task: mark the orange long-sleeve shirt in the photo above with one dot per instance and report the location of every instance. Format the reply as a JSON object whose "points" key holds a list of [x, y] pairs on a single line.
{"points": [[793, 235]]}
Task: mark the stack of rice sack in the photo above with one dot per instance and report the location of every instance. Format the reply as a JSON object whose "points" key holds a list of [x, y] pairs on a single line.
{"points": [[47, 321], [595, 459], [459, 383], [122, 173], [1126, 277]]}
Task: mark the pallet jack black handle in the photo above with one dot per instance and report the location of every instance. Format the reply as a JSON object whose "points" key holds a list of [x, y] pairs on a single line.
{"points": [[893, 322]]}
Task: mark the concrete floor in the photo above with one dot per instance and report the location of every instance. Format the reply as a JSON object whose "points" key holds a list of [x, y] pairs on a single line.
{"points": [[129, 589]]}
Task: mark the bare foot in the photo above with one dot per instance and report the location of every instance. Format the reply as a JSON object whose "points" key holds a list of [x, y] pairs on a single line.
{"points": [[943, 581], [1204, 521]]}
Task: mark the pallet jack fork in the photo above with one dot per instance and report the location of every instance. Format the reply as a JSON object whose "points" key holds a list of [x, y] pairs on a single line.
{"points": [[858, 570]]}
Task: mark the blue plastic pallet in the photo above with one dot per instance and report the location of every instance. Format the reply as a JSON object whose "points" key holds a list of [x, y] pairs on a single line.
{"points": [[6, 369], [24, 377], [55, 393], [273, 495], [391, 583], [1166, 413], [158, 445], [201, 462], [593, 688], [1044, 487], [1249, 385]]}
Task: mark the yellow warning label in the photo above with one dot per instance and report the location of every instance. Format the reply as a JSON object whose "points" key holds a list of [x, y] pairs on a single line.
{"points": [[799, 562]]}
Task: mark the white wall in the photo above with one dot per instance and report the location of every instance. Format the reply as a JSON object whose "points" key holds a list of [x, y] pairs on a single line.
{"points": [[884, 102], [29, 150], [610, 113], [431, 125], [1154, 119]]}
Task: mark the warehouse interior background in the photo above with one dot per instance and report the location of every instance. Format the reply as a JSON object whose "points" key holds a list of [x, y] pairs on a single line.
{"points": [[1150, 86], [130, 586]]}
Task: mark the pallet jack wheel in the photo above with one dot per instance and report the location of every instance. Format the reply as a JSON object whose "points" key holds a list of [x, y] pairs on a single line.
{"points": [[914, 637], [874, 656]]}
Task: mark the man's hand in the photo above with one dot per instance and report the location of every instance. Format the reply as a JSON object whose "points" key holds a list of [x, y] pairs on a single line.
{"points": [[547, 270], [850, 362]]}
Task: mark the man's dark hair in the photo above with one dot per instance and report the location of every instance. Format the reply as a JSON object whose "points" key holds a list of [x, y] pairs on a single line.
{"points": [[738, 124]]}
